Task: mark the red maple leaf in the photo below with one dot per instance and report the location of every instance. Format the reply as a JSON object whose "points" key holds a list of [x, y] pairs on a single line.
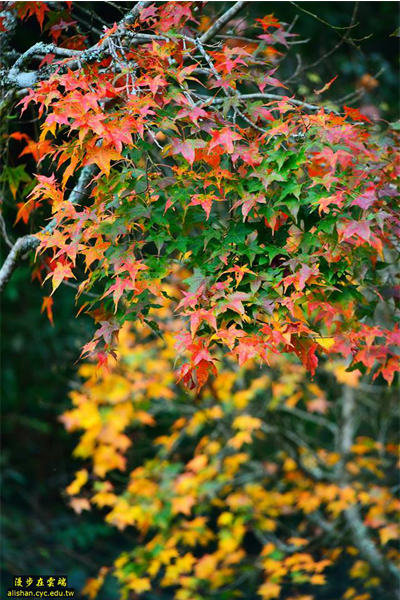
{"points": [[106, 331], [205, 201], [148, 13], [257, 111], [194, 114], [107, 33], [305, 350], [355, 114], [24, 210], [389, 369], [269, 21], [267, 79], [47, 60], [191, 298], [248, 202], [186, 148], [234, 302], [326, 86], [328, 156], [277, 37], [30, 9], [367, 199], [224, 137], [239, 272], [247, 348], [230, 335], [172, 13], [118, 288], [198, 316], [131, 265], [360, 229]]}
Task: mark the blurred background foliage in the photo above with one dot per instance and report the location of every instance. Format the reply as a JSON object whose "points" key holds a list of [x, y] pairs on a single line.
{"points": [[40, 533]]}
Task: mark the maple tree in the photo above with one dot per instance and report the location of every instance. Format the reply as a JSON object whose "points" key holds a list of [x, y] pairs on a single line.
{"points": [[258, 486], [181, 169]]}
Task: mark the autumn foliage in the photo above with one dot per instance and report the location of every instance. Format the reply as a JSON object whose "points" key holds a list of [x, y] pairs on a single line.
{"points": [[245, 486], [282, 214], [237, 227]]}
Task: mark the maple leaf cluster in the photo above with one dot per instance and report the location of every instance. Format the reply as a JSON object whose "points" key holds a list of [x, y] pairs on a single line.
{"points": [[245, 486], [281, 214]]}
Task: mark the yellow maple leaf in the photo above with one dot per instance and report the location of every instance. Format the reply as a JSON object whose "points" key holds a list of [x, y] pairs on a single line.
{"points": [[247, 422], [360, 569], [183, 504], [297, 541], [139, 584], [104, 498], [94, 584], [269, 590], [225, 518], [349, 378], [197, 463], [325, 342], [390, 532], [237, 441], [79, 504], [228, 544], [81, 478], [206, 566]]}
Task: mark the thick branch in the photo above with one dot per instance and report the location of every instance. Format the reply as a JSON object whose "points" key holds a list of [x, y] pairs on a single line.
{"points": [[223, 20], [367, 547], [20, 79], [28, 79], [4, 232], [31, 242], [134, 13], [360, 534], [22, 245]]}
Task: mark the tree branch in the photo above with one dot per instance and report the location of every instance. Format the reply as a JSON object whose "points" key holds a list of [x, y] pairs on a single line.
{"points": [[28, 79], [22, 245], [266, 96], [228, 93], [360, 534], [134, 13], [19, 79], [31, 242], [317, 419], [223, 20], [3, 231], [367, 547]]}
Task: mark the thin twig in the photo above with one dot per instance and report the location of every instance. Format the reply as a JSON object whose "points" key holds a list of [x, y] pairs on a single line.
{"points": [[255, 96], [3, 232], [322, 58]]}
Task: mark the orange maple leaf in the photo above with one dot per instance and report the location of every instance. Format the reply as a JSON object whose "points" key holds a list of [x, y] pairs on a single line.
{"points": [[60, 273], [183, 504], [102, 157], [47, 306]]}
